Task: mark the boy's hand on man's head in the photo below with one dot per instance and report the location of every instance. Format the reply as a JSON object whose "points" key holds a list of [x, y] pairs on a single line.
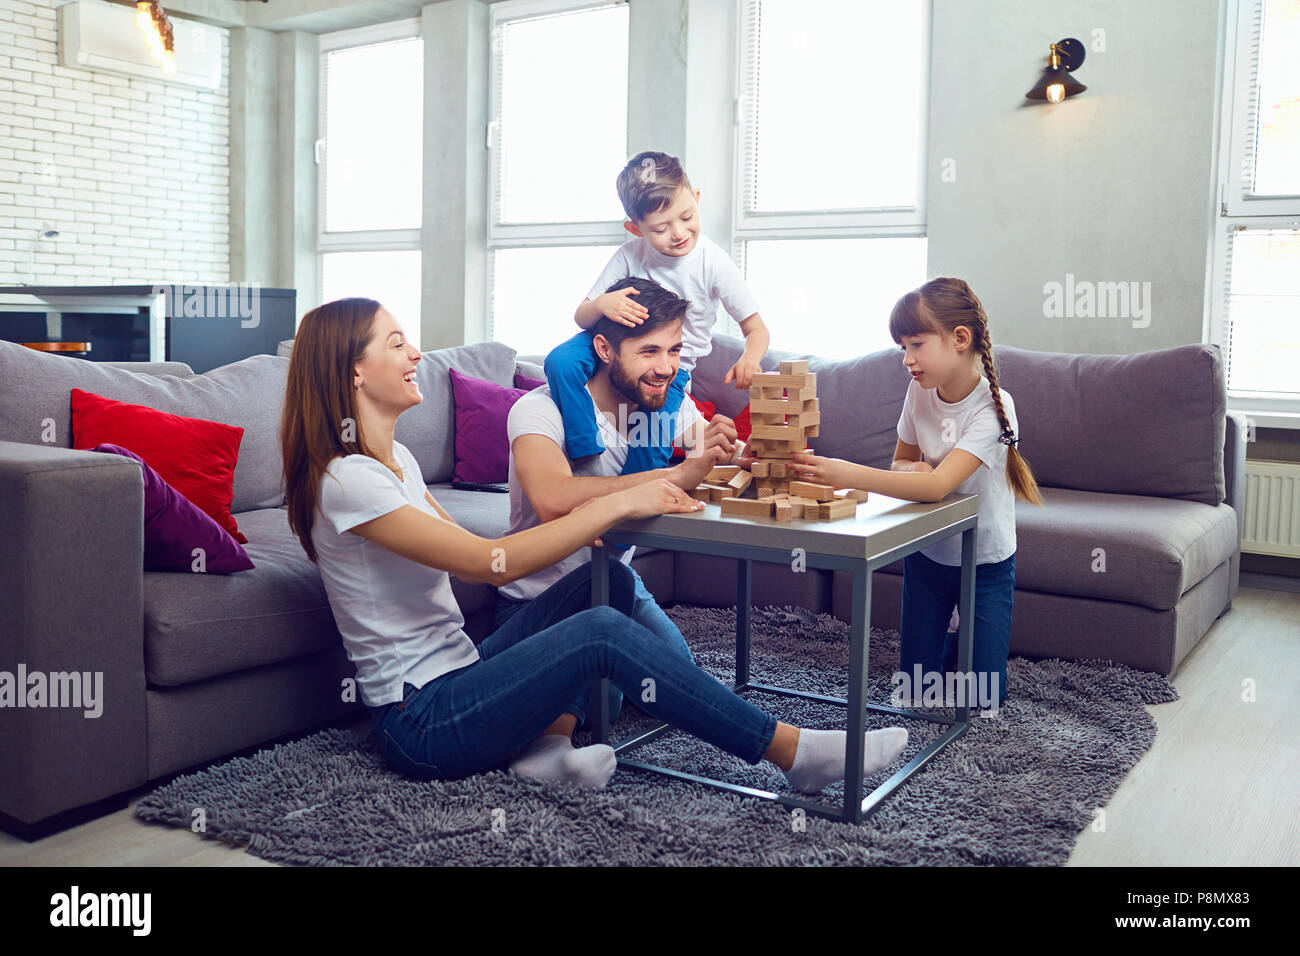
{"points": [[743, 373], [618, 306]]}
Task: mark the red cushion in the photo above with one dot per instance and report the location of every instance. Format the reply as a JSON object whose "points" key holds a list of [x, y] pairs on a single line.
{"points": [[743, 427], [194, 456]]}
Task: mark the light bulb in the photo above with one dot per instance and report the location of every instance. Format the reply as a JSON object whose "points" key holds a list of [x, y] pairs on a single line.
{"points": [[143, 19], [1055, 92]]}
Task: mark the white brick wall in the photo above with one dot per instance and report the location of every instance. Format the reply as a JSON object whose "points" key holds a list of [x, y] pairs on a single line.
{"points": [[133, 172]]}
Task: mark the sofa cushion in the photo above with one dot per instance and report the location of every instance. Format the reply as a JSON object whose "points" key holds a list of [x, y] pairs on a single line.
{"points": [[1155, 549], [427, 428], [35, 388], [1151, 423], [860, 398]]}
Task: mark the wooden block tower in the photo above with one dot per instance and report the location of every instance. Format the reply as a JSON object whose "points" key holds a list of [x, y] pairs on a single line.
{"points": [[784, 414]]}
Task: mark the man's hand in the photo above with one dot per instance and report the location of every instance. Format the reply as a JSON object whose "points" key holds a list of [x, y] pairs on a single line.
{"points": [[714, 447], [823, 471], [743, 373], [619, 307]]}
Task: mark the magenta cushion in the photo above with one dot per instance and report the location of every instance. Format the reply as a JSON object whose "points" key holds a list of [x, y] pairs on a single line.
{"points": [[482, 445], [526, 383], [174, 527]]}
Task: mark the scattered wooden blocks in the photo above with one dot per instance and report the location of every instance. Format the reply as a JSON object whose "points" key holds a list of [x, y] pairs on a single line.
{"points": [[748, 507], [740, 481], [721, 474], [717, 492], [857, 494], [783, 510], [839, 508], [807, 489]]}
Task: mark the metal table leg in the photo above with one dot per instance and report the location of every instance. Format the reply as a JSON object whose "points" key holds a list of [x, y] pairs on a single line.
{"points": [[966, 616], [744, 598], [859, 648]]}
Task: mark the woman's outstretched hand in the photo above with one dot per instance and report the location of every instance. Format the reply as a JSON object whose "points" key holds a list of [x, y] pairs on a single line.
{"points": [[657, 497]]}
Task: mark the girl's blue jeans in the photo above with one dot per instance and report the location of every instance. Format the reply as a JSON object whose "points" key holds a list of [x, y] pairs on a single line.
{"points": [[930, 592], [540, 663], [568, 367]]}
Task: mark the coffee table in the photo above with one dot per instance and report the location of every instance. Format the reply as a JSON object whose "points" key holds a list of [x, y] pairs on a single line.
{"points": [[882, 531]]}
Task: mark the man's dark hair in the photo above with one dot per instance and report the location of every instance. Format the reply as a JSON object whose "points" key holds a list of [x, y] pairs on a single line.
{"points": [[664, 307]]}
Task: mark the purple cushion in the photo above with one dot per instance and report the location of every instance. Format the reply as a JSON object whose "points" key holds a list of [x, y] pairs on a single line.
{"points": [[174, 527], [482, 445], [527, 383]]}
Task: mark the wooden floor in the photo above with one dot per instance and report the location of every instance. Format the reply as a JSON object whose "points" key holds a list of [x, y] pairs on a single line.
{"points": [[1219, 787]]}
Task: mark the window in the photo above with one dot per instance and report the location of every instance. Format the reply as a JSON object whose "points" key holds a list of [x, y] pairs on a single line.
{"points": [[557, 139], [370, 155], [1257, 241], [831, 165]]}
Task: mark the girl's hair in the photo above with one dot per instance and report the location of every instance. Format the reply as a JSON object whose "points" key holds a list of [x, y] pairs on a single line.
{"points": [[949, 303], [320, 420]]}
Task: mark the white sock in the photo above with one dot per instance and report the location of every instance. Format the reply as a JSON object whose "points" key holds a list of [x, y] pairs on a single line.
{"points": [[819, 758], [553, 757]]}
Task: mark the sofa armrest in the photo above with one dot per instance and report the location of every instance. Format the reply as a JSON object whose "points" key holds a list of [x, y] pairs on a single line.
{"points": [[71, 603], [1236, 435]]}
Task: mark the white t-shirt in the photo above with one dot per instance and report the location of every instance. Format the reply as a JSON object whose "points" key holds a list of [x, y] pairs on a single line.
{"points": [[705, 277], [399, 619], [938, 427], [537, 414]]}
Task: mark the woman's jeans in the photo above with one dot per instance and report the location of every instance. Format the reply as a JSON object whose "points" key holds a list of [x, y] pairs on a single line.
{"points": [[568, 366], [930, 591], [560, 602], [540, 664]]}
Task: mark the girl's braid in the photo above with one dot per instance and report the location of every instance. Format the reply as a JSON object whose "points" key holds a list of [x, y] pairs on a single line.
{"points": [[986, 356]]}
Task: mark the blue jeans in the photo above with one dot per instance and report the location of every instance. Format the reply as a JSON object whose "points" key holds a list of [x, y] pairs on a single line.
{"points": [[572, 593], [568, 367], [478, 717], [930, 592]]}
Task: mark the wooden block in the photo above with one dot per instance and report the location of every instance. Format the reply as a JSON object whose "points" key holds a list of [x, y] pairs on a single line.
{"points": [[807, 489], [747, 507], [796, 507], [784, 406], [797, 396], [767, 489], [776, 432], [857, 494], [813, 432], [839, 508], [802, 380], [740, 481], [717, 492], [759, 469], [771, 450], [783, 510], [778, 469], [803, 419], [794, 367], [700, 494], [721, 474]]}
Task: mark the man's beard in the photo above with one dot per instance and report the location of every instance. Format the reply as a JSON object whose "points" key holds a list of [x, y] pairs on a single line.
{"points": [[630, 388]]}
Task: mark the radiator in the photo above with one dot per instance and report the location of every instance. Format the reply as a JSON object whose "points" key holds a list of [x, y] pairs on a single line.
{"points": [[1271, 524]]}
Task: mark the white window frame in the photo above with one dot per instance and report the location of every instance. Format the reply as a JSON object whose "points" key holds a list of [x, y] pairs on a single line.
{"points": [[871, 223], [541, 234], [1235, 210], [369, 240]]}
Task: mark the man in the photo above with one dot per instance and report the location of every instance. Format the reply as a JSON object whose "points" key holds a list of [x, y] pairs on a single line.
{"points": [[636, 366]]}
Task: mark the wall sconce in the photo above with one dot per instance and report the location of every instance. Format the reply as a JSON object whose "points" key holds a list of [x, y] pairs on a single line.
{"points": [[1066, 56]]}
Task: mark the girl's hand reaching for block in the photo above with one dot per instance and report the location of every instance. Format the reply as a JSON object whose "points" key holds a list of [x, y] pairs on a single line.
{"points": [[823, 471]]}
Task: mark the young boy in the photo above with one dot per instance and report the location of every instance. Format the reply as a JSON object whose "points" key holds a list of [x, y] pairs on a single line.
{"points": [[663, 215]]}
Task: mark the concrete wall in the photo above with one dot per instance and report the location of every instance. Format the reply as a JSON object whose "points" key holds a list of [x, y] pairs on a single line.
{"points": [[1114, 185]]}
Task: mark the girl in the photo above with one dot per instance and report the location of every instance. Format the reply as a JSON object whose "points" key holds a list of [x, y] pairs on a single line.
{"points": [[966, 428], [441, 707]]}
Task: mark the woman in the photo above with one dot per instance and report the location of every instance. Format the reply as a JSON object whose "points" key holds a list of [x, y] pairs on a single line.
{"points": [[442, 708]]}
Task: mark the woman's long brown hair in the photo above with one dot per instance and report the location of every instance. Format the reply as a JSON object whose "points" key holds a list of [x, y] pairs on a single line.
{"points": [[950, 303], [320, 420]]}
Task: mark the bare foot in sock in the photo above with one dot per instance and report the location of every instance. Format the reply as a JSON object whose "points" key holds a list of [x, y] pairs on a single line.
{"points": [[553, 757], [819, 758]]}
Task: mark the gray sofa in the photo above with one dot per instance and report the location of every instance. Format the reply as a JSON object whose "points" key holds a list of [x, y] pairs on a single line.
{"points": [[197, 667]]}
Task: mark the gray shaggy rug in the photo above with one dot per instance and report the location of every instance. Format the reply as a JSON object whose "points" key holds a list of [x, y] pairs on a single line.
{"points": [[1016, 790]]}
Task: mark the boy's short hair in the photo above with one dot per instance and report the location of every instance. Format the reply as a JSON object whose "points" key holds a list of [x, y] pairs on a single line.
{"points": [[664, 308], [649, 182]]}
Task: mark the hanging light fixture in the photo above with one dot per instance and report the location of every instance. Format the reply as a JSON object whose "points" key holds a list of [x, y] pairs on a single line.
{"points": [[1057, 83]]}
